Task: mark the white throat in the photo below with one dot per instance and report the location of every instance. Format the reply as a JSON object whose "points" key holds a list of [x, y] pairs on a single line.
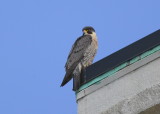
{"points": [[93, 34]]}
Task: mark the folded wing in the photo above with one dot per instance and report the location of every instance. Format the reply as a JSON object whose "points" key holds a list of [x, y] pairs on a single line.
{"points": [[76, 55]]}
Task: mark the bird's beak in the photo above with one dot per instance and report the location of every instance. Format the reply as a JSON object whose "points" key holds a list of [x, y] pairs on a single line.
{"points": [[85, 31]]}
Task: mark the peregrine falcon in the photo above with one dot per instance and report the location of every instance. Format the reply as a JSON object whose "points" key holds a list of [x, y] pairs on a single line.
{"points": [[81, 56]]}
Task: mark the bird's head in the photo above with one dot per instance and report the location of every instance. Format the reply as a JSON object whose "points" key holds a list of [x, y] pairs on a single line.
{"points": [[88, 30]]}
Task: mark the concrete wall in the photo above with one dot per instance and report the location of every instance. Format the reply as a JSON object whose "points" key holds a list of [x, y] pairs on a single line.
{"points": [[136, 89]]}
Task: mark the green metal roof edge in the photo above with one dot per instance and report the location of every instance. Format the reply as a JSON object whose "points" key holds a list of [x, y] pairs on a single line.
{"points": [[122, 66]]}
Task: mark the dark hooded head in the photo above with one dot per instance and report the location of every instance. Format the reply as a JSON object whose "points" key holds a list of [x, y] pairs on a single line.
{"points": [[88, 30]]}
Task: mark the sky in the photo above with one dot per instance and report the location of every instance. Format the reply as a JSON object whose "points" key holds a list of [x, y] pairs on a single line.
{"points": [[37, 35]]}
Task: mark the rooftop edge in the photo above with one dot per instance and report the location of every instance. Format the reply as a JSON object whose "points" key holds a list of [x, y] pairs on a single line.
{"points": [[121, 59]]}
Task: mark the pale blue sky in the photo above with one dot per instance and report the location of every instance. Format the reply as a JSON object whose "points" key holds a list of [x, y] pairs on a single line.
{"points": [[36, 37]]}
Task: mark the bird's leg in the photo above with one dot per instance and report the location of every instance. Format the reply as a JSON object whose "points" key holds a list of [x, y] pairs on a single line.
{"points": [[83, 74], [77, 77]]}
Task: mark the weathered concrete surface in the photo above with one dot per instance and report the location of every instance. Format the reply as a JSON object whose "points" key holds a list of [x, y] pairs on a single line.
{"points": [[130, 94], [137, 103]]}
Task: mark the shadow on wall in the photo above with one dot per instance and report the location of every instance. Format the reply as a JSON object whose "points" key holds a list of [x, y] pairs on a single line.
{"points": [[152, 110]]}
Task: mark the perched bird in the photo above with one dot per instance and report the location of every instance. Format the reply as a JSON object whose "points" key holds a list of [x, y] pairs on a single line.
{"points": [[81, 56]]}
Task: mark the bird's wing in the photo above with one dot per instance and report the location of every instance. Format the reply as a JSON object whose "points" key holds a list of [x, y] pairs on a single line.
{"points": [[78, 50], [75, 56]]}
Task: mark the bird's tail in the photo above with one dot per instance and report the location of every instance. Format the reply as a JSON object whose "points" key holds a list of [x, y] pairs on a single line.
{"points": [[67, 78], [68, 75], [76, 73]]}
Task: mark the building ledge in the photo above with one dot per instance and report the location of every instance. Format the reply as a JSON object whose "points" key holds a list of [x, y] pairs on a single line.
{"points": [[118, 72], [126, 82], [106, 70], [120, 67]]}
